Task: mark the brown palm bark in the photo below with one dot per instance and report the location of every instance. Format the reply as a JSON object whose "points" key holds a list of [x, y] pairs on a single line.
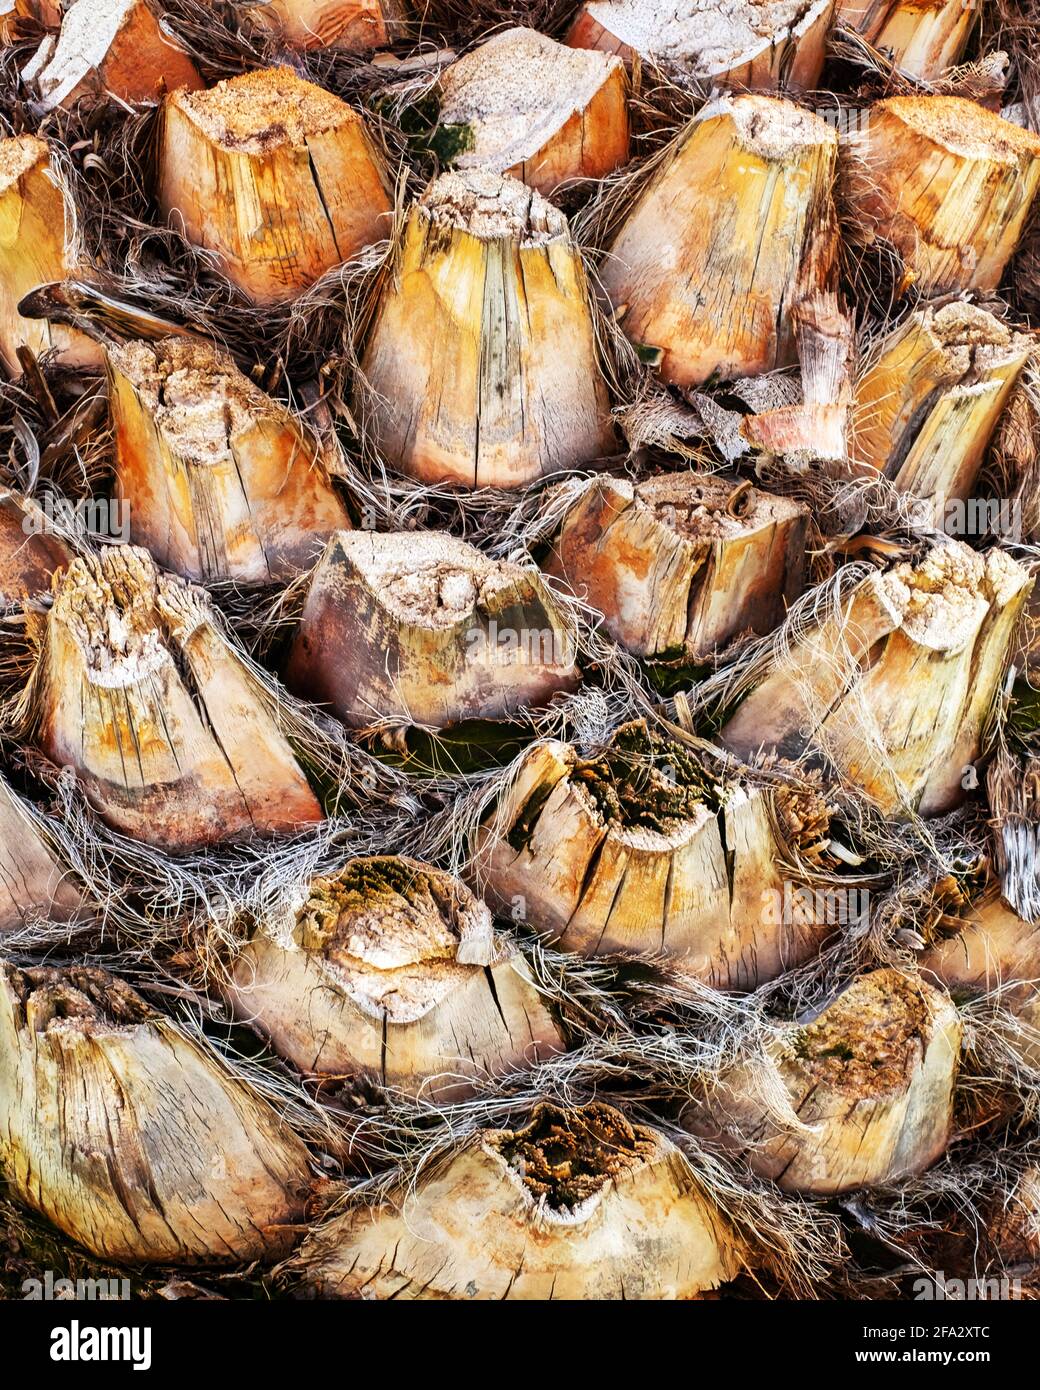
{"points": [[732, 233], [682, 564], [131, 1137], [356, 25], [30, 553], [501, 1220], [235, 160], [221, 481], [171, 737], [110, 46], [896, 685], [638, 851], [748, 46], [33, 883], [524, 105], [946, 183], [421, 627], [923, 37], [858, 1096], [391, 973], [33, 231], [482, 367]]}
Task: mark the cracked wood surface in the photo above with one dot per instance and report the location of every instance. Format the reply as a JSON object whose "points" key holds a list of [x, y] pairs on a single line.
{"points": [[672, 570], [895, 687], [422, 627], [946, 183], [694, 891], [32, 253], [172, 739], [482, 367], [33, 883], [474, 1230], [923, 37], [279, 211], [859, 1096], [732, 233], [131, 1137], [222, 482]]}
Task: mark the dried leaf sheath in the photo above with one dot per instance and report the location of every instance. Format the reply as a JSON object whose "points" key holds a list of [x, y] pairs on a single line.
{"points": [[482, 368], [32, 253], [171, 737], [221, 482], [945, 182], [732, 233], [391, 973], [132, 1138], [33, 883], [277, 176], [500, 1221]]}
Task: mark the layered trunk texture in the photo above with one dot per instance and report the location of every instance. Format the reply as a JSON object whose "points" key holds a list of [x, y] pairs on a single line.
{"points": [[995, 949], [732, 233], [860, 1095], [524, 105], [33, 883], [111, 46], [278, 177], [30, 553], [576, 1204], [682, 564], [32, 253], [923, 37], [419, 627], [391, 973], [639, 850], [357, 25], [894, 685], [221, 481], [131, 1137], [749, 44], [482, 368], [929, 397], [172, 738], [944, 182]]}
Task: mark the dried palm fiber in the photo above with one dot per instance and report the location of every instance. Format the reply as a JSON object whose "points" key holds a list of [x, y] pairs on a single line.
{"points": [[357, 25], [524, 105], [391, 971], [222, 482], [682, 563], [923, 37], [756, 44], [642, 849], [109, 47], [945, 183], [33, 251], [895, 681], [857, 1095], [171, 736], [576, 1203], [423, 628], [993, 950], [733, 231], [277, 176], [482, 366], [929, 397], [132, 1137], [1014, 1220], [1013, 792], [33, 881], [30, 551]]}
